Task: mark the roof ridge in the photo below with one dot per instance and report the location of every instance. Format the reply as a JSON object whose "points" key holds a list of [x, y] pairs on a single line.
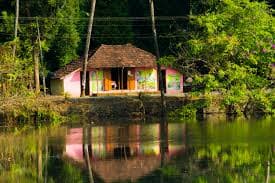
{"points": [[126, 44]]}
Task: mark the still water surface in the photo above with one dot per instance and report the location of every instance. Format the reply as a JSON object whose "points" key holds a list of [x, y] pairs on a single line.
{"points": [[214, 150]]}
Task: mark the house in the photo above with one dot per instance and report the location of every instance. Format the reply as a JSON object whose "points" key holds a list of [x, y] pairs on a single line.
{"points": [[115, 69], [130, 152]]}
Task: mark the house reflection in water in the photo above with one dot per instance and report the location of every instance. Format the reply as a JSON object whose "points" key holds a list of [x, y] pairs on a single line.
{"points": [[127, 152]]}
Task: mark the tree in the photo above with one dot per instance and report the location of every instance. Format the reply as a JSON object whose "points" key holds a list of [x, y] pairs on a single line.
{"points": [[115, 28], [230, 50], [87, 47], [16, 26], [162, 100], [58, 27], [15, 74], [61, 32]]}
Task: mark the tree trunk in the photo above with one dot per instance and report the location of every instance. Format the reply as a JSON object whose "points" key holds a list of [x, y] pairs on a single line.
{"points": [[4, 88], [268, 172], [41, 59], [44, 82], [15, 27], [39, 159], [36, 70], [87, 47], [164, 145], [163, 103], [87, 143], [46, 159]]}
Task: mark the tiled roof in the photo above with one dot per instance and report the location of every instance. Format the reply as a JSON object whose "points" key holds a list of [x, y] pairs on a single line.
{"points": [[112, 56], [67, 69]]}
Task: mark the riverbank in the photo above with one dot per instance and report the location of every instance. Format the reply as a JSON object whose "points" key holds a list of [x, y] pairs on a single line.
{"points": [[26, 109], [52, 108]]}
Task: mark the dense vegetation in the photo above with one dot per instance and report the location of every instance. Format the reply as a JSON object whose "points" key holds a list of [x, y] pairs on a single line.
{"points": [[225, 46], [230, 51], [32, 159], [63, 26]]}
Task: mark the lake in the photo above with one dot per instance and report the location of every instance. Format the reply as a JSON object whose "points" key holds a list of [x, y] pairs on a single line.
{"points": [[212, 150]]}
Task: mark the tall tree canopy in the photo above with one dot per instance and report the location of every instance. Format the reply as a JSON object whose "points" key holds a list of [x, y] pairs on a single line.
{"points": [[230, 49], [58, 22], [64, 24]]}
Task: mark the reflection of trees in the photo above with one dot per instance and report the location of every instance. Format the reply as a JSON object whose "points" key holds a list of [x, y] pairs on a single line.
{"points": [[163, 140], [168, 171], [21, 157], [24, 157], [29, 157], [87, 150], [217, 163], [237, 163]]}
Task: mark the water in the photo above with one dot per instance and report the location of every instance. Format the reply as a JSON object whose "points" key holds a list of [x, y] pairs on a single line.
{"points": [[215, 150]]}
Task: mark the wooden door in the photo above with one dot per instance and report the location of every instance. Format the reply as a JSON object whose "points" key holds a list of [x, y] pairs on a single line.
{"points": [[131, 79], [107, 80]]}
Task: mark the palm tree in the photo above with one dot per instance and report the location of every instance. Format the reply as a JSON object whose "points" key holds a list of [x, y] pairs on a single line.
{"points": [[87, 47], [163, 103]]}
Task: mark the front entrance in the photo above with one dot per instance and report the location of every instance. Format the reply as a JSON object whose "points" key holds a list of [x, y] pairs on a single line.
{"points": [[87, 86], [97, 81], [163, 73], [119, 78]]}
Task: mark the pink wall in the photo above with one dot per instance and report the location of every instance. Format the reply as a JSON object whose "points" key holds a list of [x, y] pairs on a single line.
{"points": [[74, 144], [169, 86], [72, 84]]}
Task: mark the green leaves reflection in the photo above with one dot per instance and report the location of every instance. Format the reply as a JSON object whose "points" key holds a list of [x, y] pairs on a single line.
{"points": [[27, 157], [237, 163]]}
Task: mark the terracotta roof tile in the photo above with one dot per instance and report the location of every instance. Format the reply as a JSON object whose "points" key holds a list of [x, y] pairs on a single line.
{"points": [[67, 69], [111, 56]]}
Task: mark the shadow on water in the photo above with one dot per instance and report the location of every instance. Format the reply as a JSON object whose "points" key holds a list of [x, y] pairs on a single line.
{"points": [[211, 151]]}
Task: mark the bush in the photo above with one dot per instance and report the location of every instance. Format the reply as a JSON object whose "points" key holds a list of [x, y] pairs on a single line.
{"points": [[189, 110], [260, 102]]}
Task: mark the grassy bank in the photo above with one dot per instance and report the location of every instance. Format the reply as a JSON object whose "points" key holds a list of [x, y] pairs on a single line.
{"points": [[50, 109], [22, 110]]}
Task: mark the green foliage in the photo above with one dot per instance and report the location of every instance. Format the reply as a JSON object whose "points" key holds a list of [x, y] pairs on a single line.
{"points": [[64, 41], [31, 110], [167, 61], [21, 152], [63, 25], [7, 22], [170, 171], [15, 74], [45, 115], [233, 163], [234, 42], [58, 23], [20, 159], [62, 171], [116, 31], [261, 101], [189, 111]]}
